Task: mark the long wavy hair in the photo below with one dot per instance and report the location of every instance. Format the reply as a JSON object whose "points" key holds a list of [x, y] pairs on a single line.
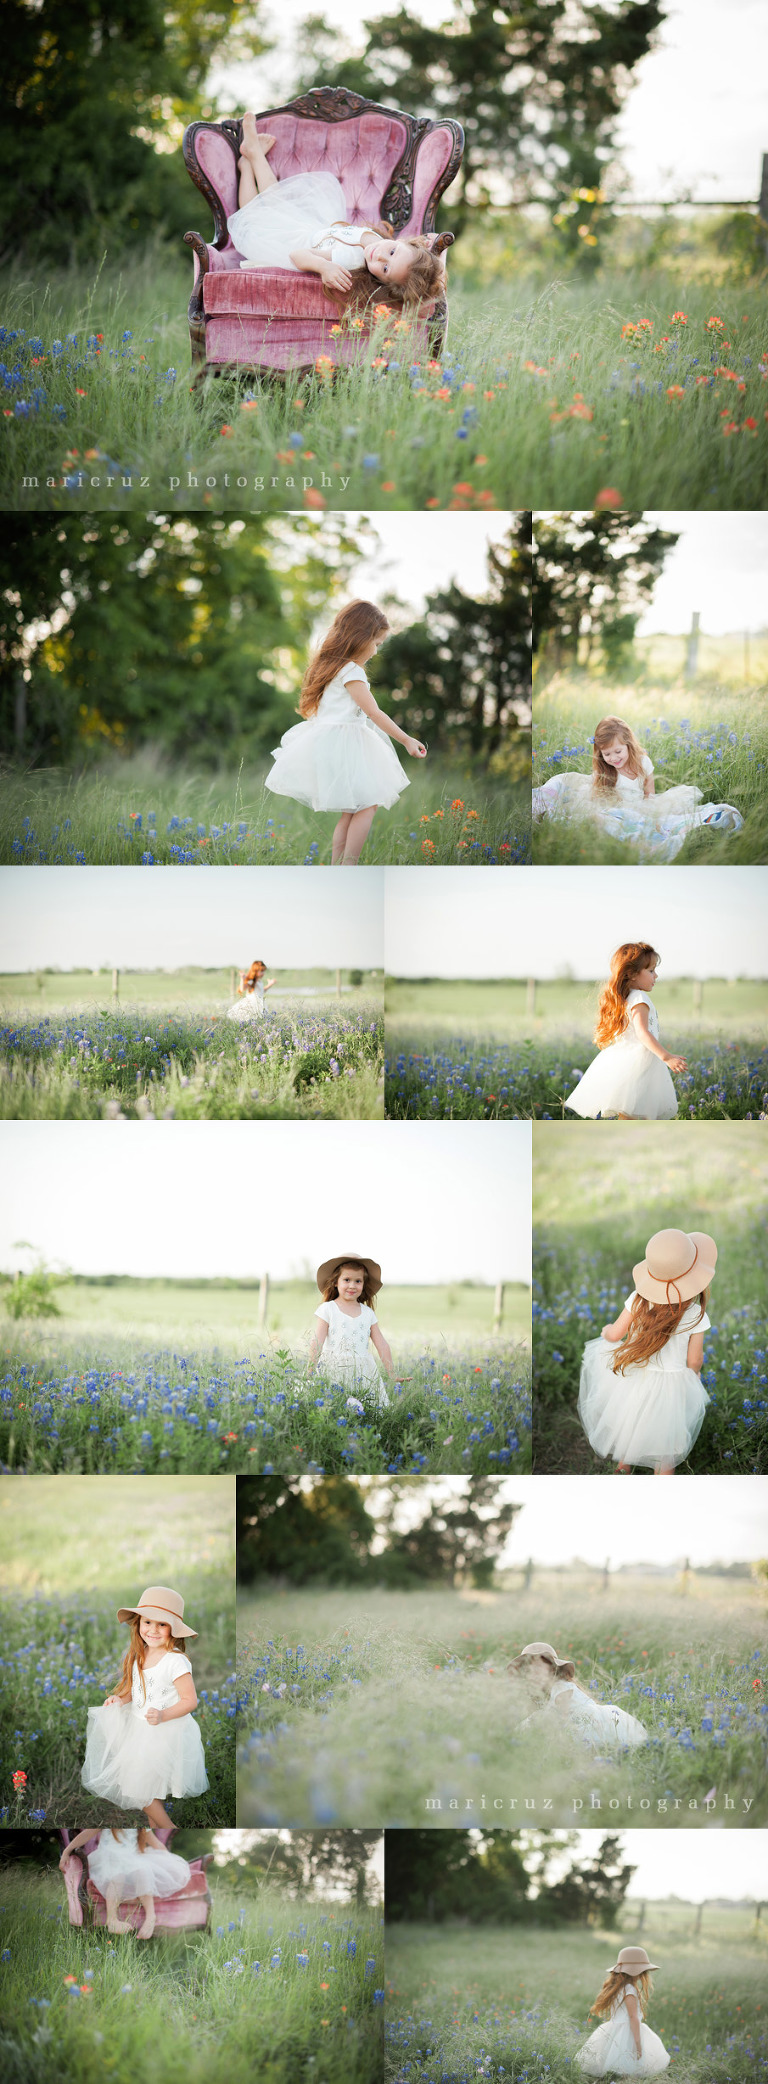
{"points": [[331, 1289], [136, 1655], [353, 628], [610, 727], [651, 1326], [425, 277], [141, 1837], [612, 1987], [631, 957], [251, 976]]}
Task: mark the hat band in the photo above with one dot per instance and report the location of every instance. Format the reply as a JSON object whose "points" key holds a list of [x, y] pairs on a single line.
{"points": [[673, 1279]]}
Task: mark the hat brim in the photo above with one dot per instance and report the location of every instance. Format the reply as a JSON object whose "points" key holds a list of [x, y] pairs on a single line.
{"points": [[699, 1275], [620, 1968], [155, 1613], [329, 1266]]}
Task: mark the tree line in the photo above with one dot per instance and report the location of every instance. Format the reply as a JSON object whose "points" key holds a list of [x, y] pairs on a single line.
{"points": [[503, 1877], [326, 1532]]}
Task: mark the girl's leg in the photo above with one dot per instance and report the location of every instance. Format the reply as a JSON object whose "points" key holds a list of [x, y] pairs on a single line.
{"points": [[621, 1469], [158, 1817], [340, 836], [112, 1899], [359, 827], [254, 149], [664, 1469], [146, 1929]]}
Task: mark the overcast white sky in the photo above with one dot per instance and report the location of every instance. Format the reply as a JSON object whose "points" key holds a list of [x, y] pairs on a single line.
{"points": [[714, 1519], [537, 921], [695, 1865], [290, 917], [422, 552], [719, 565], [432, 1202], [694, 118]]}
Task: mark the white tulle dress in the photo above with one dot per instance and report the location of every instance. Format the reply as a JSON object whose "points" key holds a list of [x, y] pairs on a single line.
{"points": [[250, 1006], [657, 825], [130, 1761], [345, 1355], [338, 759], [599, 1726], [153, 1872], [610, 2052], [651, 1413], [306, 210], [626, 1078]]}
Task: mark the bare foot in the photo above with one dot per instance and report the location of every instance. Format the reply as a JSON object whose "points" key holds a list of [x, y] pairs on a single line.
{"points": [[117, 1925], [254, 139], [146, 1930]]}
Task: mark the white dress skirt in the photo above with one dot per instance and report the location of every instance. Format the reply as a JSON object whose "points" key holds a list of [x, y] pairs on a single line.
{"points": [[626, 1078], [153, 1872], [597, 1726], [306, 210], [651, 1413], [250, 1006], [130, 1761], [611, 2052], [657, 825], [345, 1355], [338, 759]]}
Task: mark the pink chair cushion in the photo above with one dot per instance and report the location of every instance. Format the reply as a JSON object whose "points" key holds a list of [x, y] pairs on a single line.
{"points": [[361, 151]]}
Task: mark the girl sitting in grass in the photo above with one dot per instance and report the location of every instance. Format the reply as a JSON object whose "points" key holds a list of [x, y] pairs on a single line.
{"points": [[301, 223], [623, 2046], [143, 1744], [340, 758], [557, 1705], [345, 1328], [251, 990], [643, 1404], [127, 1866], [630, 1079], [620, 793]]}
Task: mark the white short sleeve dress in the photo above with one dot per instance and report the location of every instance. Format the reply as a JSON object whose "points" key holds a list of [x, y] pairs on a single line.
{"points": [[306, 210], [130, 1761], [250, 1006], [610, 2052], [626, 1078], [338, 759], [346, 1356], [599, 1726], [153, 1872], [651, 1413]]}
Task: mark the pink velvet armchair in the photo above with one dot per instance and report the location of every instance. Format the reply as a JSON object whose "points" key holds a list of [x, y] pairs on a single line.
{"points": [[272, 320], [189, 1907]]}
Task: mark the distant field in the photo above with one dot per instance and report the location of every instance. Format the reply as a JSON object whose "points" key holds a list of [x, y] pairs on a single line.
{"points": [[229, 1315], [54, 991], [478, 2002], [499, 1006]]}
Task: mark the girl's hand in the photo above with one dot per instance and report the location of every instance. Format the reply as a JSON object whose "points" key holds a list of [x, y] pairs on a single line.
{"points": [[677, 1063], [154, 1715], [335, 277], [65, 1858], [415, 748], [113, 1701]]}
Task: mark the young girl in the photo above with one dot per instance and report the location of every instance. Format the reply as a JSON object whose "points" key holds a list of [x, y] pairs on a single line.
{"points": [[340, 758], [624, 2046], [143, 1744], [630, 1080], [621, 794], [301, 223], [344, 1325], [127, 1865], [643, 1406], [547, 1684], [251, 989]]}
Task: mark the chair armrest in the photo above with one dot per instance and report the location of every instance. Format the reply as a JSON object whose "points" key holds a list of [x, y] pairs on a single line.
{"points": [[200, 248]]}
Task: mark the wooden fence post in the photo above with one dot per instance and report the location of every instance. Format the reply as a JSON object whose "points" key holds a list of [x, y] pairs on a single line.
{"points": [[498, 1306], [263, 1299], [338, 984], [692, 650], [530, 997], [698, 994], [115, 984]]}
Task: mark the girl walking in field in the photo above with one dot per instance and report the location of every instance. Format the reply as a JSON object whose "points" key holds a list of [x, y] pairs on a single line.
{"points": [[126, 1866], [340, 758], [301, 223], [641, 1399], [345, 1328], [620, 793], [547, 1686], [249, 1004], [143, 1744], [623, 2046], [630, 1080]]}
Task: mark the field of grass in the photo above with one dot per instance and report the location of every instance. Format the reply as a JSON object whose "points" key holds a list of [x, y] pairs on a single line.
{"points": [[396, 1705], [320, 1059], [466, 2003], [542, 399], [717, 740], [132, 812], [70, 1554], [462, 1051], [51, 992], [595, 1207], [291, 1979]]}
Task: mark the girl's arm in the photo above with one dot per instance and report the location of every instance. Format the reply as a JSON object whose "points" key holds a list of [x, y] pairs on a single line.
{"points": [[319, 1336], [81, 1839], [118, 1700], [366, 700], [381, 1346], [313, 263], [696, 1351], [639, 1015], [617, 1331], [268, 987], [152, 1839], [649, 781], [633, 2011], [185, 1688]]}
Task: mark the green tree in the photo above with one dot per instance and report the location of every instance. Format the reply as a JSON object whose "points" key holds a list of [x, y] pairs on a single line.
{"points": [[592, 1891], [593, 576], [461, 676], [321, 1534], [460, 1535]]}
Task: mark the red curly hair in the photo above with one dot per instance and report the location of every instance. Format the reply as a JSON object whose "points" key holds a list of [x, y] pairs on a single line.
{"points": [[351, 630], [426, 276], [610, 727], [142, 1837], [628, 960], [612, 1987], [651, 1325], [136, 1654]]}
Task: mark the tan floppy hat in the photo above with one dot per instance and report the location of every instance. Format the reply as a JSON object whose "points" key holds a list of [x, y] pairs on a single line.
{"points": [[564, 1666], [677, 1265], [159, 1603], [329, 1266], [634, 1961]]}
